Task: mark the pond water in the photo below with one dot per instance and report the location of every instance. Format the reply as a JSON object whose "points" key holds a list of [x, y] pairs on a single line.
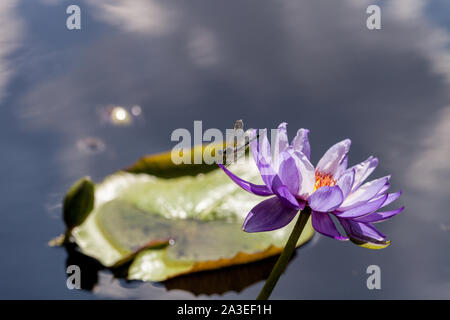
{"points": [[313, 64]]}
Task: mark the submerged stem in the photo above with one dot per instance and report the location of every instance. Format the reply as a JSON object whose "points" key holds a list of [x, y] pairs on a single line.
{"points": [[285, 256]]}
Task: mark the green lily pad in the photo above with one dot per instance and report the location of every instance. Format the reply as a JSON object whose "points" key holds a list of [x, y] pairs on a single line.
{"points": [[170, 224]]}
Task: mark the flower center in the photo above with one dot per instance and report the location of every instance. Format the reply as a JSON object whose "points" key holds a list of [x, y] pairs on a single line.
{"points": [[323, 179]]}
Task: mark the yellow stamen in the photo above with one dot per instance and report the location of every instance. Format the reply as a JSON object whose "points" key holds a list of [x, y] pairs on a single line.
{"points": [[323, 179]]}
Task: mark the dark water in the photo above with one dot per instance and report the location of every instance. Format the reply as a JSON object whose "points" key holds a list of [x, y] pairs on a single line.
{"points": [[313, 64]]}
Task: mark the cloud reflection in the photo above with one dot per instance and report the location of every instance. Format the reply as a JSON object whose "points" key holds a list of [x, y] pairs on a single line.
{"points": [[431, 167], [10, 39], [142, 16]]}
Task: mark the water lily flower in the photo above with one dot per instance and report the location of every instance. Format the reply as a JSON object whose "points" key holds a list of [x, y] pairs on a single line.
{"points": [[329, 189]]}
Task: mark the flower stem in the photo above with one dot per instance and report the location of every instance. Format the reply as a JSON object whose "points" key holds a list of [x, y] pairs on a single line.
{"points": [[285, 256]]}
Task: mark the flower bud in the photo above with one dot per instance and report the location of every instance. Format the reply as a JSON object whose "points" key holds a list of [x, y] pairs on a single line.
{"points": [[78, 202]]}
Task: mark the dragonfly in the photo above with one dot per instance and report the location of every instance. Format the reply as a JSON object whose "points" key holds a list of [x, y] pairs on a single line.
{"points": [[232, 154]]}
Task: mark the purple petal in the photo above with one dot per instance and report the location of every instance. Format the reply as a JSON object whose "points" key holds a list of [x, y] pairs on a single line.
{"points": [[385, 188], [307, 176], [322, 223], [342, 167], [362, 231], [280, 144], [331, 160], [260, 149], [326, 199], [300, 142], [260, 190], [363, 170], [286, 197], [264, 146], [345, 182], [363, 209], [379, 216], [266, 171], [268, 215], [261, 146], [363, 194], [289, 173], [391, 198]]}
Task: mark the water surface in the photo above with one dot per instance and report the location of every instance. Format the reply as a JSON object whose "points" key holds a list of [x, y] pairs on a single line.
{"points": [[313, 64]]}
